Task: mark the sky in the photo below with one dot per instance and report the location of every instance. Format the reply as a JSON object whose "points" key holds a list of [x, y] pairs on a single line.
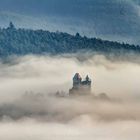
{"points": [[72, 7], [117, 20]]}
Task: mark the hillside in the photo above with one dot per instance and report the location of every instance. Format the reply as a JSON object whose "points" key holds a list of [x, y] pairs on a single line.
{"points": [[25, 41]]}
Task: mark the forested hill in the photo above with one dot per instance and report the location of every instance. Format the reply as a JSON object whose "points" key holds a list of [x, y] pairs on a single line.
{"points": [[25, 41]]}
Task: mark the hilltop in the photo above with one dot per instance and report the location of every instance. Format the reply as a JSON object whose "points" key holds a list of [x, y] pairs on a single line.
{"points": [[15, 41]]}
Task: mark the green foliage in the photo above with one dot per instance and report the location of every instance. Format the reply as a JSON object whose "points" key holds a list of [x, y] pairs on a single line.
{"points": [[25, 41]]}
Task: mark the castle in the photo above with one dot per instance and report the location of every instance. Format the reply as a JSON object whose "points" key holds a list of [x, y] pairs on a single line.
{"points": [[80, 87]]}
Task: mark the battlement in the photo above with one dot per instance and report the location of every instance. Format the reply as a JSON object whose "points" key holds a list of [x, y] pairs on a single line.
{"points": [[80, 86]]}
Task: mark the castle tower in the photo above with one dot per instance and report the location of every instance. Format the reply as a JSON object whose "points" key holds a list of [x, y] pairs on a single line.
{"points": [[77, 81], [80, 87]]}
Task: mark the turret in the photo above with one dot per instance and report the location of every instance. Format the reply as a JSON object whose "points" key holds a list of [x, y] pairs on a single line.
{"points": [[79, 86], [77, 80]]}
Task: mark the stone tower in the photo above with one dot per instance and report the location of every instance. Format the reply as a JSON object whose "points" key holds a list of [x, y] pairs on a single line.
{"points": [[80, 87]]}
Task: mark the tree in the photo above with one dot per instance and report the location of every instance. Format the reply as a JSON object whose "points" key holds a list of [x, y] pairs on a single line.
{"points": [[11, 26]]}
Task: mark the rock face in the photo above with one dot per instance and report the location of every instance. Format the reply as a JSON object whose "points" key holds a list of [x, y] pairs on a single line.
{"points": [[80, 87]]}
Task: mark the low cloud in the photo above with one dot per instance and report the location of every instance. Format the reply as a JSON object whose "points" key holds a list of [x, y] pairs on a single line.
{"points": [[30, 109]]}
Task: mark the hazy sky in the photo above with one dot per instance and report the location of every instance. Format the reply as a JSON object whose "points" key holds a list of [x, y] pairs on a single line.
{"points": [[73, 7], [117, 20]]}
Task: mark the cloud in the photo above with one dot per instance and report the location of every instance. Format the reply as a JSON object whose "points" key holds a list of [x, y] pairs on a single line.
{"points": [[42, 74], [29, 108]]}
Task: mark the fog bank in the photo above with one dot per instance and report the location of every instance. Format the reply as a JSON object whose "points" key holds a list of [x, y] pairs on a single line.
{"points": [[48, 74], [30, 110]]}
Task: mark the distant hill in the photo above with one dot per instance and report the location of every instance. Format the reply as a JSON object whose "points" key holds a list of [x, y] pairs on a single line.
{"points": [[25, 41]]}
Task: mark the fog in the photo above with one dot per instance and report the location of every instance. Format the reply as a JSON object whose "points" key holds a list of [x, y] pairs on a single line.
{"points": [[29, 108]]}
